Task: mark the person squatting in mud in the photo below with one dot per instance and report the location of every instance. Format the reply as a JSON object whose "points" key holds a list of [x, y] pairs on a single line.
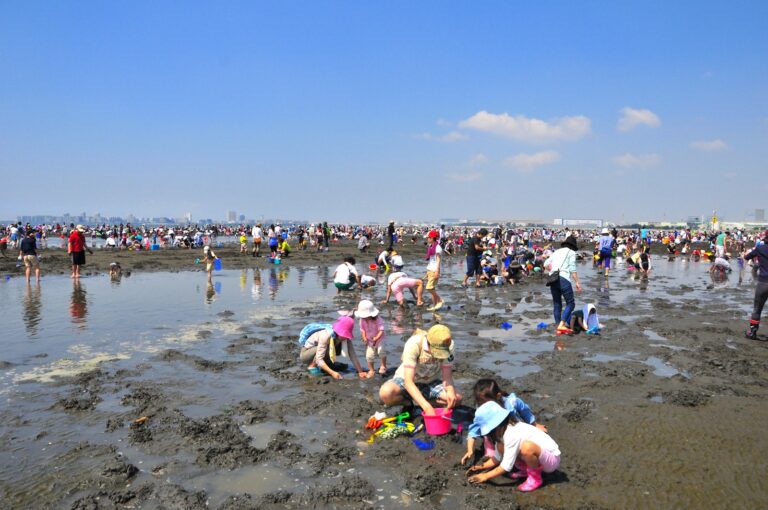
{"points": [[424, 355], [517, 445], [488, 390], [321, 343]]}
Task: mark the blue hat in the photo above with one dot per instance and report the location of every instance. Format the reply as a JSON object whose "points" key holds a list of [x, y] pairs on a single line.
{"points": [[489, 416]]}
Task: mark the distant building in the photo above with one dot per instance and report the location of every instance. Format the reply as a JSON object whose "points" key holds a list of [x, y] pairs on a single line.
{"points": [[241, 218], [759, 215], [231, 216], [567, 222]]}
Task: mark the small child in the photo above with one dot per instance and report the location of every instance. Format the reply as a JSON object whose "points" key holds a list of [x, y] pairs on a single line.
{"points": [[372, 332], [525, 447], [115, 271], [488, 390], [208, 257], [586, 320], [243, 243]]}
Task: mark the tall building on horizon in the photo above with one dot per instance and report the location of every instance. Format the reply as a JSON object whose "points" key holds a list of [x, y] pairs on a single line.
{"points": [[231, 216]]}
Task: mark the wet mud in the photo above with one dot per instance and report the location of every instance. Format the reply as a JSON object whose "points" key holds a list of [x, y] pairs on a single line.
{"points": [[647, 415]]}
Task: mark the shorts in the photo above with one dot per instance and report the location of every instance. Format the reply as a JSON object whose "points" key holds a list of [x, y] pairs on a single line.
{"points": [[473, 266], [344, 286], [373, 350], [605, 257], [430, 391], [432, 279], [401, 284], [78, 258], [257, 240], [209, 266], [31, 261], [548, 461]]}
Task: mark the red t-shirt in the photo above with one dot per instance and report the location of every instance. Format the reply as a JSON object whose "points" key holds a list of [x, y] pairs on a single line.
{"points": [[78, 241]]}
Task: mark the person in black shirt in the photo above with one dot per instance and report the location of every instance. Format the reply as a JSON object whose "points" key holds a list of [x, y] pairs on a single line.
{"points": [[474, 253], [761, 291], [28, 253]]}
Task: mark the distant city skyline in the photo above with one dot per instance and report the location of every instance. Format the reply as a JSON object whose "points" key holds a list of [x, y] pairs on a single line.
{"points": [[361, 111]]}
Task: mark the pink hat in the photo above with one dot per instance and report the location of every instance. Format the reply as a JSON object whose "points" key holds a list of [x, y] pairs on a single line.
{"points": [[344, 327]]}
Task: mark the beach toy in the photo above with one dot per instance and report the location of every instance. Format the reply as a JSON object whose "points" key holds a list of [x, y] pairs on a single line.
{"points": [[276, 261], [399, 418], [505, 326], [217, 265], [423, 445], [593, 331], [197, 261], [439, 423], [315, 371], [541, 325]]}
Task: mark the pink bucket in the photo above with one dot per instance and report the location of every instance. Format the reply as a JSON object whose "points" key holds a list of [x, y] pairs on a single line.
{"points": [[439, 423]]}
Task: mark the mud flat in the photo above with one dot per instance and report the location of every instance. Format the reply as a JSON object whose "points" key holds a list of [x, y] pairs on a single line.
{"points": [[664, 410]]}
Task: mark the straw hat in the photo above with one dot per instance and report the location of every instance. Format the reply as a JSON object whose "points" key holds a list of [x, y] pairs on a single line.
{"points": [[80, 228], [366, 309]]}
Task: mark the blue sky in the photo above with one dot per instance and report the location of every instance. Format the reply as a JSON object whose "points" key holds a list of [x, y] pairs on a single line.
{"points": [[364, 111]]}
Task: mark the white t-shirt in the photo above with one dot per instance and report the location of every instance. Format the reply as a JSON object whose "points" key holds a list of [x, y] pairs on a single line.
{"points": [[367, 280], [432, 264], [514, 437], [343, 273], [256, 232]]}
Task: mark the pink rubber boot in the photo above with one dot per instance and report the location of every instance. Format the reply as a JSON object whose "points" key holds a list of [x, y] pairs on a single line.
{"points": [[522, 470], [533, 481]]}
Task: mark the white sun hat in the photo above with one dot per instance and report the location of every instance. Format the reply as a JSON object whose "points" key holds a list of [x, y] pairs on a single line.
{"points": [[366, 309]]}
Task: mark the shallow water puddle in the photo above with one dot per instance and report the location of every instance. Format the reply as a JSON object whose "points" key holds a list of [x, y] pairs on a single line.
{"points": [[254, 480], [659, 366]]}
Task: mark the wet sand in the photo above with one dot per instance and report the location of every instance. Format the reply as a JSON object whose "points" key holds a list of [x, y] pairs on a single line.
{"points": [[663, 410]]}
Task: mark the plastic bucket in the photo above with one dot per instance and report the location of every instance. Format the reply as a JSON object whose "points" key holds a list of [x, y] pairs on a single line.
{"points": [[276, 261], [373, 267], [439, 423], [217, 265]]}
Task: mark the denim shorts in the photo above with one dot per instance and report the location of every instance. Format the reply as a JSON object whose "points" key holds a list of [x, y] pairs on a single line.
{"points": [[430, 391]]}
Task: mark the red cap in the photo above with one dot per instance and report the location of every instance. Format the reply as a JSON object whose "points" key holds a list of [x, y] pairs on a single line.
{"points": [[433, 234]]}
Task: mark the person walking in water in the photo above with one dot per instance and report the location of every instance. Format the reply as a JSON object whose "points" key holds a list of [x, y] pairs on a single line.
{"points": [[563, 262]]}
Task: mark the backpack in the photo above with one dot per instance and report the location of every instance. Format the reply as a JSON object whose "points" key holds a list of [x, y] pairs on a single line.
{"points": [[311, 329]]}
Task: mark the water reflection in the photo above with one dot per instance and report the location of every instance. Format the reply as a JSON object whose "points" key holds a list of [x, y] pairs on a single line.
{"points": [[210, 293], [604, 294], [256, 287], [78, 307], [273, 284], [32, 307]]}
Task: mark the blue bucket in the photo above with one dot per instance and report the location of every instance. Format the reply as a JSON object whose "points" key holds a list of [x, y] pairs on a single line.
{"points": [[217, 265]]}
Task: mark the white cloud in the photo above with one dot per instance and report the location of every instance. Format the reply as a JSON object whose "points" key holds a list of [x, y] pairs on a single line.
{"points": [[527, 129], [709, 145], [631, 117], [478, 160], [453, 136], [528, 162], [466, 177], [637, 160], [443, 123]]}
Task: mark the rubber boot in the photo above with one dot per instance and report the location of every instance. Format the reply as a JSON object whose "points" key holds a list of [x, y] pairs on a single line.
{"points": [[751, 333], [533, 481], [522, 470]]}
